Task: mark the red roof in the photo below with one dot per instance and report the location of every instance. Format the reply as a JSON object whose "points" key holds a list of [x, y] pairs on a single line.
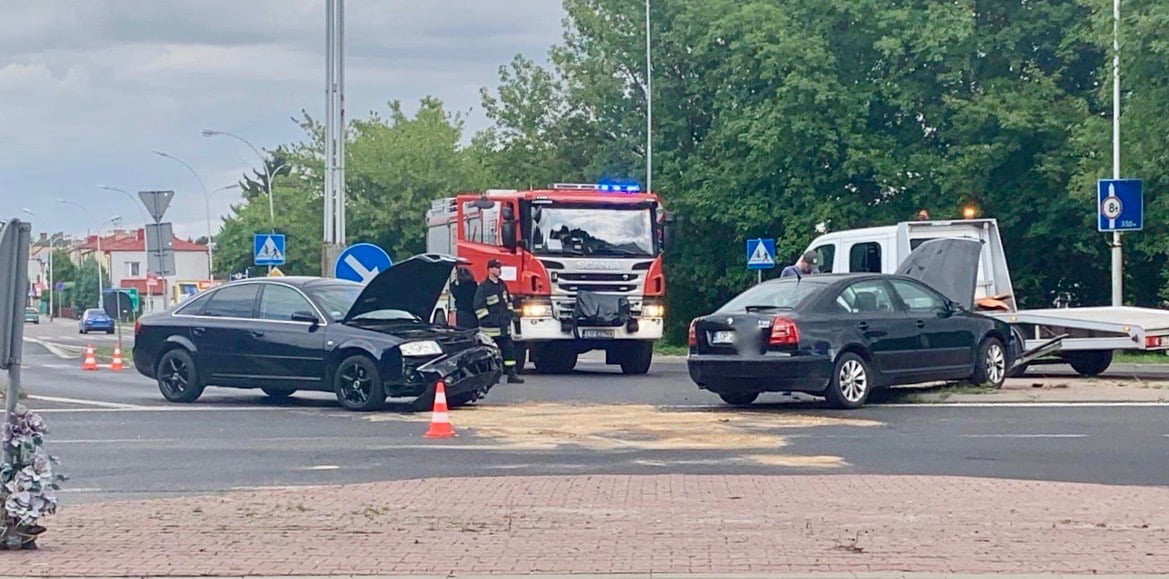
{"points": [[136, 242]]}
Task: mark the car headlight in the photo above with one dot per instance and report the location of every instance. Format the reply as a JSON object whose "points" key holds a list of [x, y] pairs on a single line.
{"points": [[423, 348], [653, 311], [536, 311]]}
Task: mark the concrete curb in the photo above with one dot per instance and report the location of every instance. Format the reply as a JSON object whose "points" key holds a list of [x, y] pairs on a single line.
{"points": [[826, 575]]}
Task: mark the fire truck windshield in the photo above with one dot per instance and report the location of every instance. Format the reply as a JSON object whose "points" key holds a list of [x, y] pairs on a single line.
{"points": [[592, 231]]}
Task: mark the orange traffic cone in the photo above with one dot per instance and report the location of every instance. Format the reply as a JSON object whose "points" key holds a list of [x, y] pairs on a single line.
{"points": [[117, 365], [90, 361], [440, 422]]}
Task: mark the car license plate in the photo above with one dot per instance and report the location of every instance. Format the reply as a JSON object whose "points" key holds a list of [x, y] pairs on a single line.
{"points": [[723, 337], [596, 334]]}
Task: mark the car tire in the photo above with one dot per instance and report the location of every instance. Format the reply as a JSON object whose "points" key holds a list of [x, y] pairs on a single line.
{"points": [[111, 332], [81, 331], [278, 394], [1089, 363], [358, 384], [636, 358], [851, 382], [990, 367], [179, 379], [739, 398]]}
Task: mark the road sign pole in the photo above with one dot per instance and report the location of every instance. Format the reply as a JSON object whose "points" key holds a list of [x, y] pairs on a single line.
{"points": [[1117, 251]]}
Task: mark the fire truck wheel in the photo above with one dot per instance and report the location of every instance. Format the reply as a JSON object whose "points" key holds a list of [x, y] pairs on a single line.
{"points": [[554, 359], [637, 357]]}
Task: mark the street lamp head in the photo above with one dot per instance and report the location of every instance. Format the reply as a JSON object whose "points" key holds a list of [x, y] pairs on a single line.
{"points": [[59, 200], [29, 211], [209, 133], [161, 154]]}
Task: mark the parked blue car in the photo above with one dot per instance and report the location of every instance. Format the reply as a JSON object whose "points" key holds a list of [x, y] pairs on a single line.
{"points": [[95, 319]]}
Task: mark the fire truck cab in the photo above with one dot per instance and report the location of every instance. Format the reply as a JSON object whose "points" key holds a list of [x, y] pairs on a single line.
{"points": [[583, 263]]}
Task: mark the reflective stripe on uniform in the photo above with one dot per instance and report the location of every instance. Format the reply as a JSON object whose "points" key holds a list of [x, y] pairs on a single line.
{"points": [[481, 313], [509, 362], [492, 300], [490, 332]]}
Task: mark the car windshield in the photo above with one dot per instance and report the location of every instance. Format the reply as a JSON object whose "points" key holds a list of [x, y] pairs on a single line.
{"points": [[338, 298], [95, 313], [779, 294], [593, 231]]}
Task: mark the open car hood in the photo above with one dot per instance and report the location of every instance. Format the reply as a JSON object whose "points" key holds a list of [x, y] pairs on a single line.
{"points": [[949, 265], [413, 285]]}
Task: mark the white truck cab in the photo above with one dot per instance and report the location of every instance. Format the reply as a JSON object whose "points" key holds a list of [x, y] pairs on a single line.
{"points": [[882, 249]]}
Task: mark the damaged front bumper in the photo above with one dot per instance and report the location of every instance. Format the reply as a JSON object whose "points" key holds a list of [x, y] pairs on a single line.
{"points": [[468, 374]]}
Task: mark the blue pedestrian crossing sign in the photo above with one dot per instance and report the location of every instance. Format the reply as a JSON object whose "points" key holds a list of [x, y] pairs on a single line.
{"points": [[1119, 205], [760, 254], [268, 249], [361, 262]]}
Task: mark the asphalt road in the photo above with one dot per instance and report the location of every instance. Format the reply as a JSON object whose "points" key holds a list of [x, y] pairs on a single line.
{"points": [[117, 438]]}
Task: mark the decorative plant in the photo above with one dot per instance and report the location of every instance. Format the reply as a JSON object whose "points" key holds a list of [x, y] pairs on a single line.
{"points": [[27, 483]]}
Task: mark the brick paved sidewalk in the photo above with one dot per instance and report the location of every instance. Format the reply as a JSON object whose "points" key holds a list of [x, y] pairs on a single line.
{"points": [[619, 524]]}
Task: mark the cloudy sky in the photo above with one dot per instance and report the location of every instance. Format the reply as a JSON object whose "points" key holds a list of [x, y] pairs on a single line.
{"points": [[90, 88]]}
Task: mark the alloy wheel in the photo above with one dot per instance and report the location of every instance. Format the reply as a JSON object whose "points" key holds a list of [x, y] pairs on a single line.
{"points": [[356, 384], [854, 381]]}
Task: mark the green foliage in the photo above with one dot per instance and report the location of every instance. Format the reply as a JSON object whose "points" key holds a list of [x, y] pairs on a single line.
{"points": [[774, 117]]}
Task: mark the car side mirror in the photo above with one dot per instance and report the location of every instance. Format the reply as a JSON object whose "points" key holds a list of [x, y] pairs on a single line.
{"points": [[305, 316]]}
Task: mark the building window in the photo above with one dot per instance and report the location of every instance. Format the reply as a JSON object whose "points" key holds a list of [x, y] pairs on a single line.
{"points": [[133, 269]]}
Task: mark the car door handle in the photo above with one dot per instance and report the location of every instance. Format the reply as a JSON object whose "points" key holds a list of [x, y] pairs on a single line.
{"points": [[863, 325], [258, 333], [919, 324], [198, 331]]}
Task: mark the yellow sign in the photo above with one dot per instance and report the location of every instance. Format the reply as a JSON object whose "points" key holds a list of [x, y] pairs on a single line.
{"points": [[275, 272]]}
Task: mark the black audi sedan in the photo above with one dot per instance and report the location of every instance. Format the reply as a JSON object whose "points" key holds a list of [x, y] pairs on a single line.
{"points": [[364, 342], [842, 335]]}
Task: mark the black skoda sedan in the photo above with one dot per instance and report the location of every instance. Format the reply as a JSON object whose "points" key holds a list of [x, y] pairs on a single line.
{"points": [[365, 342], [842, 335]]}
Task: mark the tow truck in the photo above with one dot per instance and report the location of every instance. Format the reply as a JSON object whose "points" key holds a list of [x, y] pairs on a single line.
{"points": [[583, 263], [1084, 337]]}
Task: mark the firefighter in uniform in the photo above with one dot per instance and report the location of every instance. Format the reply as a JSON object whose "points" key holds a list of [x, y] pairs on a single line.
{"points": [[493, 308]]}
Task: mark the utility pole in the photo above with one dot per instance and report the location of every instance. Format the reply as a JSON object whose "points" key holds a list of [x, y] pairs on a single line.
{"points": [[649, 107], [1117, 250], [334, 209]]}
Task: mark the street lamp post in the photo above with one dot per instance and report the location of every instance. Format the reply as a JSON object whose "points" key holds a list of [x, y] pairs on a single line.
{"points": [[137, 203], [206, 202], [115, 219], [264, 163]]}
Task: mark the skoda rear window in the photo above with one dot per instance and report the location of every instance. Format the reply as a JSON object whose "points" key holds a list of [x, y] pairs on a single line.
{"points": [[781, 294]]}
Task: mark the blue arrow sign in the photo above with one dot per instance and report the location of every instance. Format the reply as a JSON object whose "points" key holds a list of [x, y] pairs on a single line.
{"points": [[361, 262], [268, 249], [1120, 205], [760, 254]]}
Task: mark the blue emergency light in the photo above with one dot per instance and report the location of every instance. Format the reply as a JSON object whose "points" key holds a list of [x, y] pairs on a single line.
{"points": [[619, 186]]}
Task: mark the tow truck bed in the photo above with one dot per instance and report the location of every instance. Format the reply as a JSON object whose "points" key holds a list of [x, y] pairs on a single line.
{"points": [[1094, 328]]}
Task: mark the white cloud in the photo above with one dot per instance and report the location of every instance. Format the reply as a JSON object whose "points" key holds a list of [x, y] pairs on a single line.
{"points": [[89, 88]]}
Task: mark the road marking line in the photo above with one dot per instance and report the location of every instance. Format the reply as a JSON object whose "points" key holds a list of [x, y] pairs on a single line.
{"points": [[54, 349], [1021, 405], [147, 409], [320, 467], [81, 490], [1024, 435], [97, 403]]}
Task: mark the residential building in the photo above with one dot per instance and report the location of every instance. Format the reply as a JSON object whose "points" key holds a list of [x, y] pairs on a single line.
{"points": [[124, 257]]}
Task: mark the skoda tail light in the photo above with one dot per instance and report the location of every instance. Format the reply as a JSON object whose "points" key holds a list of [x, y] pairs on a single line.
{"points": [[692, 337], [784, 332]]}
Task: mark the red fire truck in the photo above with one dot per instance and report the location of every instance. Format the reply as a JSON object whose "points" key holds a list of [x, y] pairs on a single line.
{"points": [[583, 263]]}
